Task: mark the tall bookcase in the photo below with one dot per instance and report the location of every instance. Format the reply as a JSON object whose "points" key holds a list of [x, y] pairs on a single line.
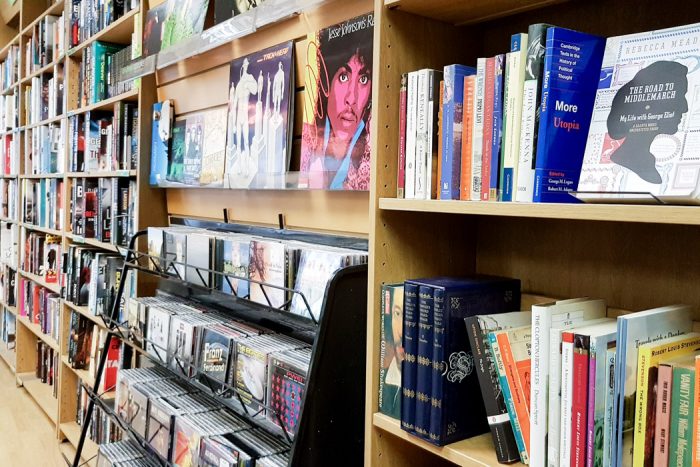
{"points": [[635, 257], [149, 208]]}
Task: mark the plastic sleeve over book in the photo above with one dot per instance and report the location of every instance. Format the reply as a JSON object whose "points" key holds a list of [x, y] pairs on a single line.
{"points": [[424, 359], [579, 401], [408, 368], [401, 181]]}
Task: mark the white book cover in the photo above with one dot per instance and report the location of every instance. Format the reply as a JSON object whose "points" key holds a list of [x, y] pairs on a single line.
{"points": [[598, 355], [609, 420], [433, 95], [478, 129], [421, 134], [555, 389], [634, 330], [567, 389], [411, 105], [514, 103], [562, 314], [645, 128]]}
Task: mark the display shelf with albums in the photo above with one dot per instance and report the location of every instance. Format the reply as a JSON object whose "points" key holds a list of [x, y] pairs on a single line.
{"points": [[268, 352]]}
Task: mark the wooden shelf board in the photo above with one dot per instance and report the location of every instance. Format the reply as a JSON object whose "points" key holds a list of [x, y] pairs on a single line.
{"points": [[41, 393], [107, 104], [683, 215], [40, 71], [467, 12], [7, 219], [45, 230], [119, 32], [39, 176], [11, 308], [92, 242], [8, 356], [4, 51], [71, 430], [85, 311], [44, 122], [473, 451], [115, 173], [87, 378], [9, 90], [36, 330], [40, 280], [54, 9]]}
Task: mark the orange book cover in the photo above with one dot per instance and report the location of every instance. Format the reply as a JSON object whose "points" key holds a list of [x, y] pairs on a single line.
{"points": [[439, 153], [515, 349], [465, 184]]}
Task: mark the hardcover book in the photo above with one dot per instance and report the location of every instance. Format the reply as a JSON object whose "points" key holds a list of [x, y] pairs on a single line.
{"points": [[258, 142], [663, 415], [640, 141], [335, 148], [160, 141], [571, 63], [391, 350]]}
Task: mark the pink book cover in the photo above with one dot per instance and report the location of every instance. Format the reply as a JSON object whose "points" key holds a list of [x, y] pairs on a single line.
{"points": [[401, 179], [663, 415], [590, 446], [579, 406], [489, 83]]}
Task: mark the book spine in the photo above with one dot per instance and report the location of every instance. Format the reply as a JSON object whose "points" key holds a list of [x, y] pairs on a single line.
{"points": [[408, 368], [519, 399], [382, 345], [446, 155], [440, 130], [514, 102], [696, 415], [507, 396], [496, 411], [640, 412], [478, 129], [590, 417], [579, 400], [682, 411], [424, 358], [465, 179], [401, 179], [435, 432], [497, 128], [567, 361], [554, 397], [422, 135], [536, 38], [432, 155], [541, 325], [569, 86], [489, 97], [411, 104], [663, 415]]}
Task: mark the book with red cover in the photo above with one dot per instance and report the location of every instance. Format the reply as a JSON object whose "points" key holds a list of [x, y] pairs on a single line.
{"points": [[579, 405], [112, 365], [489, 84], [401, 177]]}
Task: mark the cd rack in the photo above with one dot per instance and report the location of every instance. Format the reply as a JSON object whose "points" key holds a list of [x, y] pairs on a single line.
{"points": [[336, 374]]}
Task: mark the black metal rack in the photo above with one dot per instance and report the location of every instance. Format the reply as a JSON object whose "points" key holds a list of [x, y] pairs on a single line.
{"points": [[327, 433]]}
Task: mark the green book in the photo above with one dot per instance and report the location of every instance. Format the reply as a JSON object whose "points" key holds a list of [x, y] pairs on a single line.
{"points": [[681, 440], [391, 350], [100, 51]]}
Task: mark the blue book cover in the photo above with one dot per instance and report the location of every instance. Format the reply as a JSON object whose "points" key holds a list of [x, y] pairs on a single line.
{"points": [[410, 347], [497, 122], [453, 101], [160, 139], [424, 359], [455, 386], [571, 71]]}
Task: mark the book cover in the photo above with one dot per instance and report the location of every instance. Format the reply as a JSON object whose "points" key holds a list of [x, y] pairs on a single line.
{"points": [[424, 380], [452, 128], [504, 440], [411, 122], [497, 128], [465, 180], [579, 399], [663, 415], [259, 108], [634, 330], [571, 64], [649, 356], [512, 114], [176, 161], [409, 364], [267, 267], [640, 137], [696, 415], [194, 140], [682, 410], [454, 381], [567, 390], [214, 147], [401, 172], [529, 125], [439, 138], [160, 141], [597, 392], [391, 350], [609, 421], [335, 147], [478, 129], [489, 100]]}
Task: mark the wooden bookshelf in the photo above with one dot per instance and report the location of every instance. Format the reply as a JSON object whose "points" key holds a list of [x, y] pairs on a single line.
{"points": [[71, 431], [41, 393], [36, 330], [118, 32]]}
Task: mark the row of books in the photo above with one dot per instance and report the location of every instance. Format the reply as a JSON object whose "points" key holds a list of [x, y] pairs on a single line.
{"points": [[8, 290], [9, 244], [40, 306], [186, 427], [103, 209], [550, 118], [44, 149], [8, 198], [102, 428], [8, 333], [88, 17], [234, 358], [104, 141], [100, 68], [43, 204], [255, 264], [46, 43], [9, 68], [45, 98], [249, 144], [47, 362], [85, 346], [43, 256]]}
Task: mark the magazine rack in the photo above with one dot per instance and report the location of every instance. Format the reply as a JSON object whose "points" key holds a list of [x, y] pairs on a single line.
{"points": [[336, 374]]}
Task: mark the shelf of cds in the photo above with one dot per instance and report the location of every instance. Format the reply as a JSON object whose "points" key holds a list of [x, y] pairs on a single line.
{"points": [[491, 283], [247, 329]]}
